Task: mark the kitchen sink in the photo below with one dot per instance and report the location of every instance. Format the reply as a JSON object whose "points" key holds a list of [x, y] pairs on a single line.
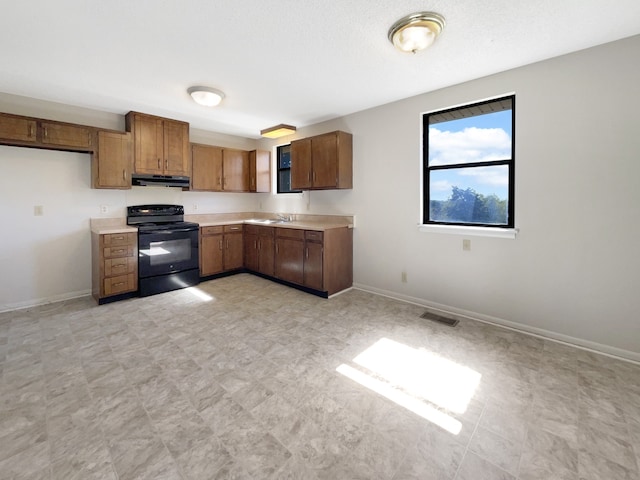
{"points": [[268, 221]]}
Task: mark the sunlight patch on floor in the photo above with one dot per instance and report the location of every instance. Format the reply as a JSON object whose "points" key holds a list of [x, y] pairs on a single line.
{"points": [[402, 399], [421, 373], [200, 294]]}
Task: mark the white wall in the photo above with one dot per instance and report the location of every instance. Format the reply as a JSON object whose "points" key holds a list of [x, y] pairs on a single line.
{"points": [[573, 271]]}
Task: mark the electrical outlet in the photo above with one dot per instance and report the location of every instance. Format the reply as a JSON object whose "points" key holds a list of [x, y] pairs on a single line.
{"points": [[466, 244], [104, 209], [403, 277], [38, 210], [195, 207]]}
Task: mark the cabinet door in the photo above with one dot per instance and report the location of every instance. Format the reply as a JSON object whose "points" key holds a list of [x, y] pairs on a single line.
{"points": [[176, 148], [313, 265], [266, 255], [206, 168], [148, 145], [251, 252], [235, 170], [66, 135], [324, 152], [210, 254], [301, 164], [289, 260], [112, 161], [17, 128], [259, 171], [233, 253]]}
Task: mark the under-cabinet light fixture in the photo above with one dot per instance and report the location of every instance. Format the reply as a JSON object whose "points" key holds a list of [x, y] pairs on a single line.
{"points": [[278, 131], [416, 31], [207, 96]]}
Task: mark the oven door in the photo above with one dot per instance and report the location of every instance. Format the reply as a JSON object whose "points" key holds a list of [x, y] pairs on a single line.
{"points": [[163, 252]]}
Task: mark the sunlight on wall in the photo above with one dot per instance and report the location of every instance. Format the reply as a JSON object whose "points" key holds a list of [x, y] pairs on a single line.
{"points": [[409, 376]]}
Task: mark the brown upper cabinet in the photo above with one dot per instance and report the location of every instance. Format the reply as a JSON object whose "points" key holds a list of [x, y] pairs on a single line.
{"points": [[161, 145], [259, 171], [64, 135], [112, 161], [235, 170], [206, 168], [322, 162], [15, 128], [218, 169], [23, 131]]}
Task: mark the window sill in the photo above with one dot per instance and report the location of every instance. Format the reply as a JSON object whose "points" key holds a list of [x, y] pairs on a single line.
{"points": [[471, 231]]}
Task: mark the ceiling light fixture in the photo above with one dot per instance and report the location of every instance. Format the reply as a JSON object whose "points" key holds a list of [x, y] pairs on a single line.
{"points": [[416, 31], [207, 96], [278, 131]]}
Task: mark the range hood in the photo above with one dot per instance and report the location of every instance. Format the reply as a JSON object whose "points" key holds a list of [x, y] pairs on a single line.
{"points": [[139, 179]]}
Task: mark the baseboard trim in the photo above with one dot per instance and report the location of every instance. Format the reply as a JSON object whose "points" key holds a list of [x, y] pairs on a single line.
{"points": [[36, 302], [459, 313]]}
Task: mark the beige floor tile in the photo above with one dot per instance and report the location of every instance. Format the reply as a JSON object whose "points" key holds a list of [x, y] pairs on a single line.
{"points": [[246, 386]]}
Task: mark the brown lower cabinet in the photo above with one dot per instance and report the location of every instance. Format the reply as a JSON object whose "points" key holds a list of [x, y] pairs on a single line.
{"points": [[289, 260], [259, 249], [221, 249], [321, 260], [115, 264]]}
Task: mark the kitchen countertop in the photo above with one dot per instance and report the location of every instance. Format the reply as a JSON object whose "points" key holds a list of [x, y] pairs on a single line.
{"points": [[103, 226], [299, 221]]}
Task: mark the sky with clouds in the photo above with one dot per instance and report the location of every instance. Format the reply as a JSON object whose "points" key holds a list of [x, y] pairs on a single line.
{"points": [[474, 139]]}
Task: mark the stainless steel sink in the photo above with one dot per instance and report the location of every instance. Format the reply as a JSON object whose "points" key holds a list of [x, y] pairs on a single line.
{"points": [[268, 221]]}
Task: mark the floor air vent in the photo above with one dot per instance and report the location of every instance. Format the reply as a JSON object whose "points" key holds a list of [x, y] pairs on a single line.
{"points": [[437, 318]]}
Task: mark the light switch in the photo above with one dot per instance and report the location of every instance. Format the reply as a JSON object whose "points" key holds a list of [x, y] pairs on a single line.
{"points": [[38, 211], [466, 244]]}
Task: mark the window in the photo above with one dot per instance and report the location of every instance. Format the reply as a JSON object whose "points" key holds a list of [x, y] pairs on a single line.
{"points": [[469, 165], [284, 169]]}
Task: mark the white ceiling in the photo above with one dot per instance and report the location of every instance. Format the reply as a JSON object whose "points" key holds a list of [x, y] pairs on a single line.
{"points": [[280, 61]]}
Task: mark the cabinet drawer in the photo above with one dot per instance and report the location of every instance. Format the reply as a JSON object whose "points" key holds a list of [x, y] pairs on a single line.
{"points": [[258, 230], [118, 252], [233, 228], [314, 235], [217, 230], [119, 266], [290, 233], [119, 284], [117, 239]]}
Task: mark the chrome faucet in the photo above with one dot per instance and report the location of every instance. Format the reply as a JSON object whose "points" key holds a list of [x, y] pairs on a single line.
{"points": [[283, 218]]}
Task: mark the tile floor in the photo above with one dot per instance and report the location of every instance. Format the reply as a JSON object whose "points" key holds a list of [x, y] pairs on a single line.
{"points": [[265, 382]]}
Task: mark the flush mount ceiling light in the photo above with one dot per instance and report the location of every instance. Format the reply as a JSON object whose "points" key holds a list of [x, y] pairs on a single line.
{"points": [[207, 96], [278, 131], [416, 31]]}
